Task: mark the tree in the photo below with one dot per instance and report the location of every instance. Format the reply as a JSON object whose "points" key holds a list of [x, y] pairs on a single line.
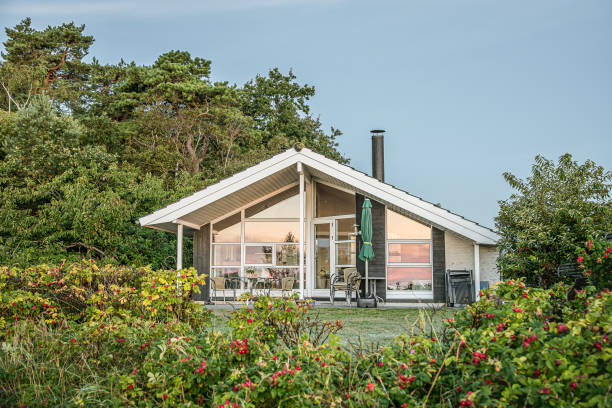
{"points": [[44, 61], [87, 148], [551, 216], [279, 106], [60, 200]]}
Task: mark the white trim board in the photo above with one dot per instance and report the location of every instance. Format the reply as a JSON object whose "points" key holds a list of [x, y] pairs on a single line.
{"points": [[361, 182]]}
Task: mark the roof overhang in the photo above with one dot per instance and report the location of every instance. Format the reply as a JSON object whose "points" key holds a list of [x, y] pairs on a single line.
{"points": [[280, 172]]}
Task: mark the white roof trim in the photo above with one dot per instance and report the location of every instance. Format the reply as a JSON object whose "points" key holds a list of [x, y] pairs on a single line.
{"points": [[361, 181]]}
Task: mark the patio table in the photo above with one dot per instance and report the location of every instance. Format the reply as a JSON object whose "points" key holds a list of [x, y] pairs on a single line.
{"points": [[258, 282], [371, 282]]}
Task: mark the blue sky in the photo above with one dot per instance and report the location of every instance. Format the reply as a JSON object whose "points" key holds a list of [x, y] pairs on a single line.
{"points": [[466, 89]]}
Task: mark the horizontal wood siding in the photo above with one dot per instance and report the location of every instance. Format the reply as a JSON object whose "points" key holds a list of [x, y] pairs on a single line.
{"points": [[377, 266], [439, 266]]}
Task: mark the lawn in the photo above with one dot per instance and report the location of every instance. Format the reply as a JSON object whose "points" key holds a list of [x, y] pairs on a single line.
{"points": [[370, 326]]}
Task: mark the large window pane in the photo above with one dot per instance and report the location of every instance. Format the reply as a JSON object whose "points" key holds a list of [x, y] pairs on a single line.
{"points": [[255, 272], [288, 254], [406, 278], [226, 272], [227, 230], [283, 274], [346, 253], [344, 229], [226, 255], [258, 254], [409, 253], [401, 227], [282, 205], [331, 201], [272, 231]]}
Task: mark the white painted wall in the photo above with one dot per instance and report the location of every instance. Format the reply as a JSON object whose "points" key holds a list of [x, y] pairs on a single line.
{"points": [[488, 264], [459, 253]]}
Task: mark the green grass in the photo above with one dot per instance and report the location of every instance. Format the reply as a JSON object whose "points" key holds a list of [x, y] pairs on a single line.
{"points": [[370, 326]]}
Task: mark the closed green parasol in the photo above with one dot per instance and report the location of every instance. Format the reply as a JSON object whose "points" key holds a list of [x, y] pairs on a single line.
{"points": [[366, 253]]}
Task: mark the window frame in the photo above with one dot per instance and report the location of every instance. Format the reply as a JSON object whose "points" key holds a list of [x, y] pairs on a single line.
{"points": [[408, 293], [244, 266]]}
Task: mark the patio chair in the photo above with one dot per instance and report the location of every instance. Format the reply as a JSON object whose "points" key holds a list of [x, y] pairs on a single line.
{"points": [[287, 285], [220, 283], [349, 284]]}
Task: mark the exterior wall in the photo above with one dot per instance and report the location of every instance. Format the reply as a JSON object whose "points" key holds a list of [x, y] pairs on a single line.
{"points": [[488, 264], [201, 260], [439, 265], [460, 255], [377, 267], [459, 252]]}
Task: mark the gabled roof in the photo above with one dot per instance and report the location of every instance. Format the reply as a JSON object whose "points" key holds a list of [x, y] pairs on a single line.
{"points": [[266, 177]]}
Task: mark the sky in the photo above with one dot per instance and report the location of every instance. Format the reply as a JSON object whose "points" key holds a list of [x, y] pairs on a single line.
{"points": [[466, 89]]}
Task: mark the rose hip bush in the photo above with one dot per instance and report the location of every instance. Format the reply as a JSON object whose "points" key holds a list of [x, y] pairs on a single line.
{"points": [[596, 262], [285, 320], [87, 293], [516, 346]]}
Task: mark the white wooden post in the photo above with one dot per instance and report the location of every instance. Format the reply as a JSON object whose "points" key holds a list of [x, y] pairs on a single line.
{"points": [[179, 247], [301, 171], [476, 271], [179, 257]]}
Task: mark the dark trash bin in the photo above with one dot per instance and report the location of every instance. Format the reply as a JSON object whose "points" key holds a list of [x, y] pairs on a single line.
{"points": [[459, 287]]}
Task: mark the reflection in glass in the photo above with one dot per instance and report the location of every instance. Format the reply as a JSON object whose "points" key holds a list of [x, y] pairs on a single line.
{"points": [[407, 278], [272, 231], [287, 254], [401, 227], [344, 229], [331, 201], [226, 255], [409, 253], [322, 255], [346, 253], [282, 205], [226, 272], [227, 230], [258, 254]]}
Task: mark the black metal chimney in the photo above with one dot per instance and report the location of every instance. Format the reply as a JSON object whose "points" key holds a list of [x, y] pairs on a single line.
{"points": [[378, 154]]}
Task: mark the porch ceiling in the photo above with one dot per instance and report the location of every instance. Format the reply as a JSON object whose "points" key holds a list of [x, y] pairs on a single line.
{"points": [[233, 202]]}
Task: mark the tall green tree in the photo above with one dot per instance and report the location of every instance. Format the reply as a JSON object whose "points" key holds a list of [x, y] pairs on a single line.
{"points": [[279, 106], [42, 61], [60, 200], [86, 148], [551, 215]]}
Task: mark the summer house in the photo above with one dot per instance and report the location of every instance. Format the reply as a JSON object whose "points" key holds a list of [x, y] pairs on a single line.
{"points": [[297, 215]]}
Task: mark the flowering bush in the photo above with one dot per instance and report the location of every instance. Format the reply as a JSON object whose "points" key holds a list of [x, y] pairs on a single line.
{"points": [[85, 292], [596, 262], [281, 319], [516, 346]]}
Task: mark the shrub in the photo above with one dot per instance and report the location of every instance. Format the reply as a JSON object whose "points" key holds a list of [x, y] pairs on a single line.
{"points": [[596, 262], [85, 292], [516, 346], [281, 319]]}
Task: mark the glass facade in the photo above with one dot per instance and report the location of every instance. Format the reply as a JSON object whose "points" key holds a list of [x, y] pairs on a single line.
{"points": [[268, 239], [330, 202], [271, 231]]}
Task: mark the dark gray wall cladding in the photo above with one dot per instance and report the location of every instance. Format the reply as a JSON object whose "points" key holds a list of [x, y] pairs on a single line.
{"points": [[377, 266], [439, 265], [201, 259]]}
